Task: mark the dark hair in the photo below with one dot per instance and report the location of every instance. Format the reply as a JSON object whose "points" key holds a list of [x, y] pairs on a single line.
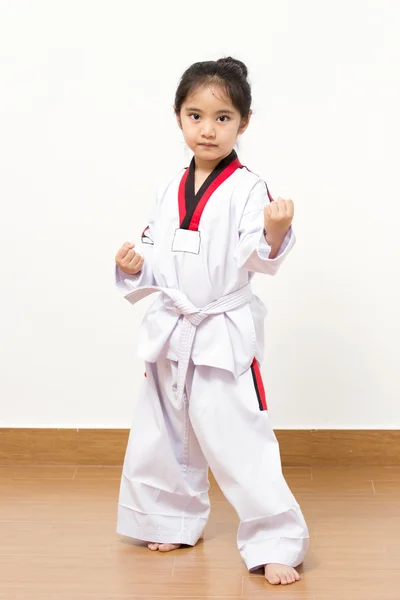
{"points": [[228, 73]]}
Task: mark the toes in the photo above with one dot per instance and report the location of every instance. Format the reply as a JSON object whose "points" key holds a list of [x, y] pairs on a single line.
{"points": [[162, 547], [293, 576], [153, 546], [168, 547], [289, 577], [279, 574]]}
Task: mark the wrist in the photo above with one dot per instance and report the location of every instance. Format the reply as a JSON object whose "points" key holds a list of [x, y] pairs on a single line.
{"points": [[274, 242], [274, 239]]}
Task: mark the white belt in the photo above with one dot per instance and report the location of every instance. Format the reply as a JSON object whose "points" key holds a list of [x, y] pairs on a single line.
{"points": [[192, 317]]}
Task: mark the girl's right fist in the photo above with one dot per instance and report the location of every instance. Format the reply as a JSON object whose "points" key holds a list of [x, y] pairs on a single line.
{"points": [[128, 260]]}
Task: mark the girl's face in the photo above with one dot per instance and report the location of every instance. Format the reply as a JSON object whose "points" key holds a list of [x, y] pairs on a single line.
{"points": [[210, 123]]}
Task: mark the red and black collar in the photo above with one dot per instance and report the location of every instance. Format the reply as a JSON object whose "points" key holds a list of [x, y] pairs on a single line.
{"points": [[191, 205]]}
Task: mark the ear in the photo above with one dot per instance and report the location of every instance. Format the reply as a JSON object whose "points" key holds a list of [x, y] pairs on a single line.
{"points": [[178, 118], [244, 123]]}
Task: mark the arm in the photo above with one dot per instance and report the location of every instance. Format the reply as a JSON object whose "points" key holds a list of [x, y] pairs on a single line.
{"points": [[253, 252], [125, 280]]}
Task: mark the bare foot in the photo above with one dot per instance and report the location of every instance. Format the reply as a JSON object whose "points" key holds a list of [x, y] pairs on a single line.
{"points": [[163, 547], [280, 574]]}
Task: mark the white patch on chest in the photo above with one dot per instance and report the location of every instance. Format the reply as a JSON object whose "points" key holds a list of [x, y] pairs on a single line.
{"points": [[186, 240]]}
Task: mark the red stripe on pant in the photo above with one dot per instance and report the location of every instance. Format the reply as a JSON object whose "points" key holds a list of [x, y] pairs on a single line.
{"points": [[258, 384]]}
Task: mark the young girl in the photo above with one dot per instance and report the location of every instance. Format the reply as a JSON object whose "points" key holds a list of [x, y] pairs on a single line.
{"points": [[203, 402]]}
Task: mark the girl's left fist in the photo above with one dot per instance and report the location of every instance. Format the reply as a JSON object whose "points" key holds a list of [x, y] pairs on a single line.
{"points": [[278, 217]]}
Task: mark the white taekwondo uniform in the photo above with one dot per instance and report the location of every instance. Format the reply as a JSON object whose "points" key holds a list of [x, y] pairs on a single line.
{"points": [[203, 403]]}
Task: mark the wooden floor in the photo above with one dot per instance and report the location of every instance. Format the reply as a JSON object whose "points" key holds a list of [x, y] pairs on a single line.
{"points": [[58, 541]]}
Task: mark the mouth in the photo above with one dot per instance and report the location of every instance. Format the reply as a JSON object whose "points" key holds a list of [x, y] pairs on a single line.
{"points": [[208, 145]]}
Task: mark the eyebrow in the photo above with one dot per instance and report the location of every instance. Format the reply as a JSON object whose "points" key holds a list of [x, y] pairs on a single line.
{"points": [[198, 110]]}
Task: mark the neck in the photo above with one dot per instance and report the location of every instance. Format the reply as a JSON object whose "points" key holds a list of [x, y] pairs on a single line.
{"points": [[208, 166]]}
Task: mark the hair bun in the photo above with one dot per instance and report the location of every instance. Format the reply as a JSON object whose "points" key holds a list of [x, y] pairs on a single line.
{"points": [[239, 67]]}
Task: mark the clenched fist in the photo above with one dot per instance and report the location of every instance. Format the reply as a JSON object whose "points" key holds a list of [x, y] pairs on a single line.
{"points": [[128, 260], [278, 217]]}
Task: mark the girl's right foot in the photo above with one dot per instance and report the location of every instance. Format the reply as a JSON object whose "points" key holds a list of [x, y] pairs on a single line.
{"points": [[163, 547]]}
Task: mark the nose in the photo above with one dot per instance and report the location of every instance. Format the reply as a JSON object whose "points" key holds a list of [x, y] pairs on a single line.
{"points": [[208, 129]]}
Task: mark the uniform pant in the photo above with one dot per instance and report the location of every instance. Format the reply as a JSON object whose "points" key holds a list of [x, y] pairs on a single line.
{"points": [[224, 424]]}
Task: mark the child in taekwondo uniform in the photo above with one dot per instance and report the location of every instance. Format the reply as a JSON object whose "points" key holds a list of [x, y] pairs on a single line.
{"points": [[203, 402]]}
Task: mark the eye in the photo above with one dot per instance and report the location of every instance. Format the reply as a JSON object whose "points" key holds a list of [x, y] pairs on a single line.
{"points": [[194, 116], [224, 117]]}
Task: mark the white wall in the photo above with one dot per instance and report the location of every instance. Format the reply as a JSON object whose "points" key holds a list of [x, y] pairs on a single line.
{"points": [[87, 132]]}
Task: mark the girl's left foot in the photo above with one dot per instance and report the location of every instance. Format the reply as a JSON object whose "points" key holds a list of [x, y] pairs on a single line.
{"points": [[163, 547], [280, 574]]}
